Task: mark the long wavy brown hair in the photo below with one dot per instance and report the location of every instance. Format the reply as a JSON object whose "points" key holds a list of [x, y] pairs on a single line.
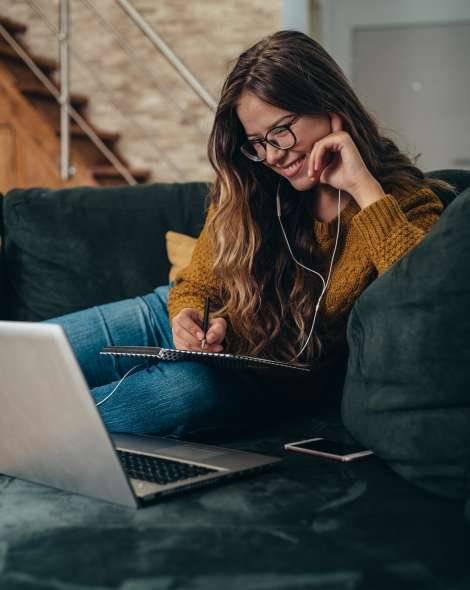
{"points": [[268, 299]]}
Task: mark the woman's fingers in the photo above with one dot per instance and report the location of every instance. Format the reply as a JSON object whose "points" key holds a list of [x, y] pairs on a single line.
{"points": [[311, 162], [190, 321], [186, 327], [216, 332], [188, 334], [184, 339], [326, 148], [317, 160]]}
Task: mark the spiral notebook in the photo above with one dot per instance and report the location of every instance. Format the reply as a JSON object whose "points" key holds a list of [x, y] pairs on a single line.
{"points": [[216, 359]]}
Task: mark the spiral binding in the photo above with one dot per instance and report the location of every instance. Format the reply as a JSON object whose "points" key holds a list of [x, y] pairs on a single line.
{"points": [[220, 359]]}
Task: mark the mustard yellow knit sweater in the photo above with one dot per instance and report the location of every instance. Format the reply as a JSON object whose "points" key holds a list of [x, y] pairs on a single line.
{"points": [[373, 239]]}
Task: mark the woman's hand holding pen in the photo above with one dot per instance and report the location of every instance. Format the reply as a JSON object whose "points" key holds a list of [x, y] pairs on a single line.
{"points": [[188, 333], [335, 160]]}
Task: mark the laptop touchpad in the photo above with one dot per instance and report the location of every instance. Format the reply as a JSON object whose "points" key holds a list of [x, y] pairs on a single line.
{"points": [[188, 452]]}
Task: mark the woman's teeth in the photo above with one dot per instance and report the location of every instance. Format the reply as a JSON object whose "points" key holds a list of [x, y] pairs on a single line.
{"points": [[294, 167]]}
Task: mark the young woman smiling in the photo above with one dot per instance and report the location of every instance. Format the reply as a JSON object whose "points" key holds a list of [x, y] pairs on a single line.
{"points": [[290, 127], [310, 204]]}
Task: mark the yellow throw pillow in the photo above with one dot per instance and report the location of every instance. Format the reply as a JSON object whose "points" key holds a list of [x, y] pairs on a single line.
{"points": [[179, 249]]}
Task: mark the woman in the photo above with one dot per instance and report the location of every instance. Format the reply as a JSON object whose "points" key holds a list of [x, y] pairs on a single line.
{"points": [[309, 205]]}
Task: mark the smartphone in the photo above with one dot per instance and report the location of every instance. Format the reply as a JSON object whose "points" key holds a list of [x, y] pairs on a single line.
{"points": [[329, 449]]}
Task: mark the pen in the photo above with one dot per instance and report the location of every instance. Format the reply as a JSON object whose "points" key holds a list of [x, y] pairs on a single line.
{"points": [[205, 322]]}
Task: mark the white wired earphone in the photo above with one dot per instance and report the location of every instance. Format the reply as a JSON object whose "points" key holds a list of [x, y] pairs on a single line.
{"points": [[325, 283], [118, 384]]}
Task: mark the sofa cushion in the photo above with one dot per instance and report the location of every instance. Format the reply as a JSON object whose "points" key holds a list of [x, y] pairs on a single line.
{"points": [[73, 248], [407, 388], [179, 249]]}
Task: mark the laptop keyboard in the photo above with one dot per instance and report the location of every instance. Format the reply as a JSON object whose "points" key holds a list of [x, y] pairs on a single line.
{"points": [[158, 470]]}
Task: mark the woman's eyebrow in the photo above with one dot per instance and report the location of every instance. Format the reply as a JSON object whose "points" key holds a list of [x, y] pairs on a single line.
{"points": [[275, 124]]}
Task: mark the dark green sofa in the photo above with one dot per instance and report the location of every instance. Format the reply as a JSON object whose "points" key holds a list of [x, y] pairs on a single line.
{"points": [[310, 524]]}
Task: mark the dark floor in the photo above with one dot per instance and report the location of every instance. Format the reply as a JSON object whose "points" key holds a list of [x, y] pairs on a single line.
{"points": [[308, 524]]}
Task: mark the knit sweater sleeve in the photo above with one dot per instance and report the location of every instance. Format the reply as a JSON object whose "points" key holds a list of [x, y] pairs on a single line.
{"points": [[197, 281], [391, 227]]}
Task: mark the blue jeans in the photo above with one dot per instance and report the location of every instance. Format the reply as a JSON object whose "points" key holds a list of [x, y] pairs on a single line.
{"points": [[169, 398]]}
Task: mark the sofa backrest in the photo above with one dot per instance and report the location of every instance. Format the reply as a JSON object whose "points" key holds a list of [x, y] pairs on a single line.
{"points": [[458, 178], [4, 306], [69, 249]]}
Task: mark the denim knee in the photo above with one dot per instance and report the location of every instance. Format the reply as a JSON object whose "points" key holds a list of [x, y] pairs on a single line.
{"points": [[169, 397]]}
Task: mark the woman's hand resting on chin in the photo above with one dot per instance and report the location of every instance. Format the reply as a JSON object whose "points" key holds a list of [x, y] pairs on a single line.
{"points": [[187, 331], [335, 160]]}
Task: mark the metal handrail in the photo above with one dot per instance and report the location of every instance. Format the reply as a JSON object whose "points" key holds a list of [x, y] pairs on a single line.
{"points": [[179, 66], [103, 89], [63, 97], [146, 71], [64, 56], [70, 109]]}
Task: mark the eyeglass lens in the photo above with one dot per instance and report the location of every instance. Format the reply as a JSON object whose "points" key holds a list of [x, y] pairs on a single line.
{"points": [[280, 137]]}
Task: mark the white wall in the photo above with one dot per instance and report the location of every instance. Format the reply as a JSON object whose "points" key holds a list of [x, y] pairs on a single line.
{"points": [[296, 15], [340, 17]]}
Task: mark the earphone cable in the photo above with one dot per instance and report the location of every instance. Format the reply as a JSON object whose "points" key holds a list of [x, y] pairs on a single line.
{"points": [[118, 384], [324, 283]]}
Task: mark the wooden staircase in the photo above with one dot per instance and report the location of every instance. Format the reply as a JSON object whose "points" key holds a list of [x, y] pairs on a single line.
{"points": [[84, 152]]}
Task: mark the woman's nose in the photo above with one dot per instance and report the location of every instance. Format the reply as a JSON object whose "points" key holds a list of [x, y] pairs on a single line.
{"points": [[273, 154]]}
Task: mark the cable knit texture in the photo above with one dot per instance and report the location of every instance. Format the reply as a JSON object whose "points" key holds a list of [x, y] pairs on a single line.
{"points": [[371, 240]]}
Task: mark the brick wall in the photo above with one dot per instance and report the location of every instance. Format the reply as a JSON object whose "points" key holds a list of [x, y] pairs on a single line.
{"points": [[169, 127]]}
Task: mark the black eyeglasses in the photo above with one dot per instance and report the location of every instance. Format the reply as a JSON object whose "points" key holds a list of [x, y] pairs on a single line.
{"points": [[281, 137]]}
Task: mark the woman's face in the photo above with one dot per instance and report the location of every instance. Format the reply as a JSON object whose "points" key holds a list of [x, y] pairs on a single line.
{"points": [[258, 117]]}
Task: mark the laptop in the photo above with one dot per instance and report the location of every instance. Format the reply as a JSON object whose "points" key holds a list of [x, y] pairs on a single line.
{"points": [[51, 432]]}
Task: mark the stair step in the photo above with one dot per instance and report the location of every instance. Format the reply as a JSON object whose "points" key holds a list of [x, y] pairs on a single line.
{"points": [[77, 100], [109, 175], [106, 136], [12, 26], [45, 102], [44, 63]]}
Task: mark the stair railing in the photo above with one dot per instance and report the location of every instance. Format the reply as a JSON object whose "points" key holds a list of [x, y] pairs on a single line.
{"points": [[63, 97], [71, 111], [66, 171], [126, 117], [174, 60], [161, 46], [137, 64]]}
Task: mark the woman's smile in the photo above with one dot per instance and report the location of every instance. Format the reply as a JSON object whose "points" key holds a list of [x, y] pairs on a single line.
{"points": [[293, 168]]}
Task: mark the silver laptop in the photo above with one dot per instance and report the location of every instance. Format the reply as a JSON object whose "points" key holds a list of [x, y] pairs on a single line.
{"points": [[51, 432]]}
